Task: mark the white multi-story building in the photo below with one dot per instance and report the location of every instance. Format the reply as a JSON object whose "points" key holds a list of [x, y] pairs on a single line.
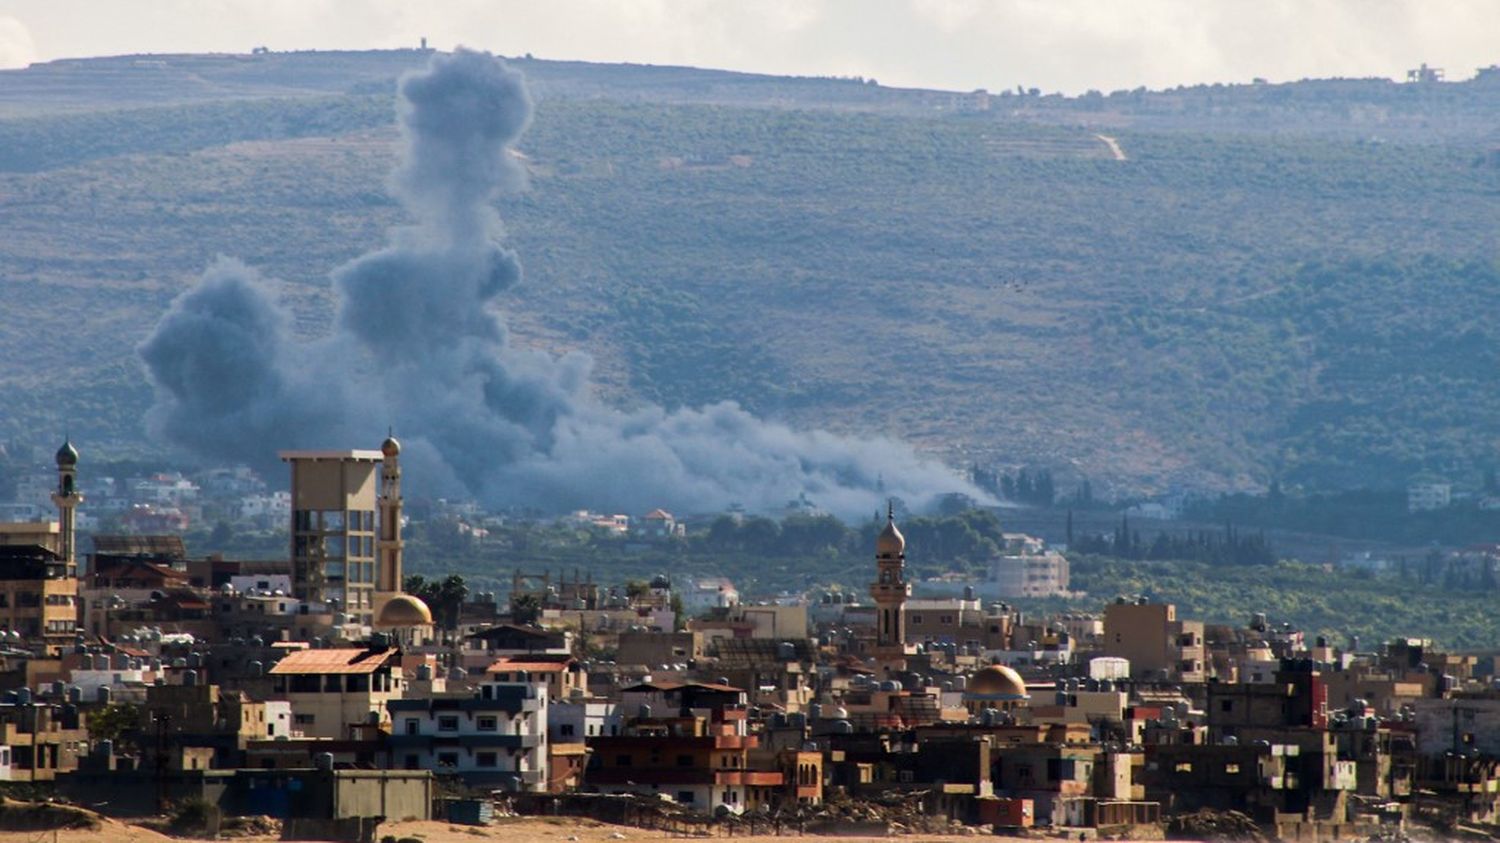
{"points": [[1043, 574], [1424, 497], [496, 738], [276, 506], [570, 721], [709, 593], [164, 490]]}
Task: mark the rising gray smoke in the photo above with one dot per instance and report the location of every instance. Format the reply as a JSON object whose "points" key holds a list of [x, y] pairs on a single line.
{"points": [[418, 344]]}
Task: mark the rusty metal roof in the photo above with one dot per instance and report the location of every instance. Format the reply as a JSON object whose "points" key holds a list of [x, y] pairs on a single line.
{"points": [[349, 660], [528, 666]]}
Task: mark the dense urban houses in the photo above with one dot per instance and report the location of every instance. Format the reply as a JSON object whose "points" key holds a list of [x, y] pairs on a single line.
{"points": [[274, 685]]}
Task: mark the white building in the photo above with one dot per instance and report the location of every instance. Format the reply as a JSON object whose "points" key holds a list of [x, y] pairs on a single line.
{"points": [[571, 721], [276, 506], [262, 584], [496, 738], [1043, 574], [1424, 497], [709, 593]]}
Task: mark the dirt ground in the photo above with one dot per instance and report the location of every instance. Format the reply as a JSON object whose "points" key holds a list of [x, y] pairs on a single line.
{"points": [[562, 830], [505, 829]]}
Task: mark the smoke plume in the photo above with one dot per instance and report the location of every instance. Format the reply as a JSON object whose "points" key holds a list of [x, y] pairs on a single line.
{"points": [[417, 342]]}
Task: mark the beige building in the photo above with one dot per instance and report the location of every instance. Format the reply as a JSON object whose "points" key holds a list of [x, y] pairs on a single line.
{"points": [[334, 500], [333, 691], [39, 566], [890, 591], [954, 620], [1157, 644]]}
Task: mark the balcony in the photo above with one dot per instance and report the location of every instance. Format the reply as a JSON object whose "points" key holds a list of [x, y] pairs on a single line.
{"points": [[486, 740]]}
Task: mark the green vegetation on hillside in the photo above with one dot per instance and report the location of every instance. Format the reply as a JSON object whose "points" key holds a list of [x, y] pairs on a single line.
{"points": [[1216, 311], [1319, 601]]}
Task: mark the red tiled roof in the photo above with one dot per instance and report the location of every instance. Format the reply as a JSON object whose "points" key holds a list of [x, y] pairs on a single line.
{"points": [[332, 661]]}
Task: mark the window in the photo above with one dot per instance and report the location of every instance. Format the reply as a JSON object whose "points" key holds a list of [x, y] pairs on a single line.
{"points": [[304, 719], [1232, 769], [447, 759], [413, 726], [485, 759], [684, 760], [1226, 705], [731, 796], [490, 724], [411, 762], [566, 730], [916, 619], [448, 723], [685, 797], [1183, 767]]}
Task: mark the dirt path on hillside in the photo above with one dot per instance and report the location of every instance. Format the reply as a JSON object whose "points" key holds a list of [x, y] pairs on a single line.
{"points": [[1114, 147]]}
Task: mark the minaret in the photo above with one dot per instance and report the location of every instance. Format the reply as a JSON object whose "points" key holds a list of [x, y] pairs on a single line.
{"points": [[388, 572], [890, 590], [67, 498]]}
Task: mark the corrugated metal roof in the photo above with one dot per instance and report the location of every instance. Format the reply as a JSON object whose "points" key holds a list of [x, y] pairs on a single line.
{"points": [[332, 661], [531, 667]]}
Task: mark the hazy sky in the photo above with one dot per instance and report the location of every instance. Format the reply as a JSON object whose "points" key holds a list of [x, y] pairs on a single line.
{"points": [[1067, 45]]}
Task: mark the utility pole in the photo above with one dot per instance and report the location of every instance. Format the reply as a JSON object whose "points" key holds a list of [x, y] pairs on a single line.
{"points": [[163, 720]]}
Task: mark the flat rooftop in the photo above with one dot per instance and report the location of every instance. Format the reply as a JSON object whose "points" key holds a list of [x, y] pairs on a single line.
{"points": [[360, 456], [29, 527]]}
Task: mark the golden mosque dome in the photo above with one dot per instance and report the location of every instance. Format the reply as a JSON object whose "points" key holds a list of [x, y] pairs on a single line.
{"points": [[390, 447], [890, 542], [404, 610], [997, 682]]}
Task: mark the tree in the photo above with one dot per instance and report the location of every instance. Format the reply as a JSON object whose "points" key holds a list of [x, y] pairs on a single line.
{"points": [[118, 722], [451, 594], [526, 608], [444, 597]]}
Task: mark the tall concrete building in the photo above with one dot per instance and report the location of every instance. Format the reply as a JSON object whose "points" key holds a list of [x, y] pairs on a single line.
{"points": [[334, 501], [890, 591], [1158, 645]]}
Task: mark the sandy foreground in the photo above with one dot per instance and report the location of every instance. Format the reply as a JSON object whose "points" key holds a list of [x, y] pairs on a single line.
{"points": [[504, 829]]}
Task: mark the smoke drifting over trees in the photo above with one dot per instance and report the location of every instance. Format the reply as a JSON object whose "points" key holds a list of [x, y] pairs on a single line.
{"points": [[417, 343]]}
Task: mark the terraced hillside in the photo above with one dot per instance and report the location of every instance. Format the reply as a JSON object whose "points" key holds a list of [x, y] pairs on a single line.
{"points": [[1222, 306]]}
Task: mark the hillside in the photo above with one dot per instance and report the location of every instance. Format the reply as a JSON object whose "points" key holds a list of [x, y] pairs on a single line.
{"points": [[1280, 281]]}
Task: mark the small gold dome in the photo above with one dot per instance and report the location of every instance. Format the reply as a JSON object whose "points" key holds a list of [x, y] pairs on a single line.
{"points": [[997, 682], [390, 447], [404, 610], [890, 542]]}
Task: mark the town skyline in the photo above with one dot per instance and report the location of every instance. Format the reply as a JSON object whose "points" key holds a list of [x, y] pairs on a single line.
{"points": [[1067, 47]]}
